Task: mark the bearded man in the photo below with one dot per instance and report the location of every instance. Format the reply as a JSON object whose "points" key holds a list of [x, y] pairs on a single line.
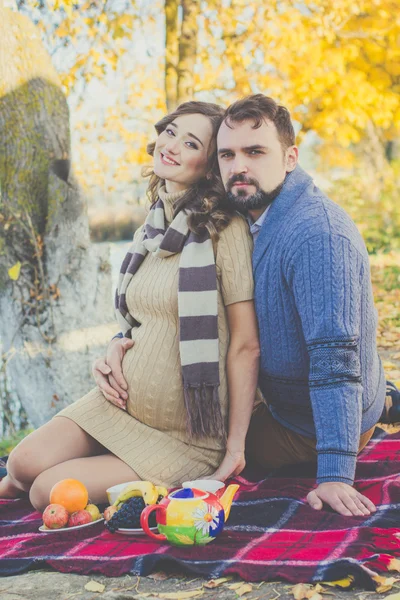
{"points": [[321, 378]]}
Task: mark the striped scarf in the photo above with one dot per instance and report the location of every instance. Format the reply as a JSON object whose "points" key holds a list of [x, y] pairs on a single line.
{"points": [[197, 309]]}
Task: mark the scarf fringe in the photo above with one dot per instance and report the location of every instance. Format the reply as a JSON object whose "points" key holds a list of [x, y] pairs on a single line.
{"points": [[203, 411]]}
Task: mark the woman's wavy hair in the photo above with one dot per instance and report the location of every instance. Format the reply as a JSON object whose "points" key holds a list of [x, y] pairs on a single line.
{"points": [[206, 200]]}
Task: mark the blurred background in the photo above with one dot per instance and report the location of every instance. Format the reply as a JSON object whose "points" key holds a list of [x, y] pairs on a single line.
{"points": [[334, 63]]}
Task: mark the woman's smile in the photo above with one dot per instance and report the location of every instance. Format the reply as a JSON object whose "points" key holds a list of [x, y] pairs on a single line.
{"points": [[167, 160]]}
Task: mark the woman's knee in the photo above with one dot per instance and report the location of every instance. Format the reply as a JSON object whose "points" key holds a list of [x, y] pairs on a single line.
{"points": [[39, 492], [20, 465]]}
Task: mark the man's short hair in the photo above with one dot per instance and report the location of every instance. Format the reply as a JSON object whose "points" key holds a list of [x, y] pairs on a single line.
{"points": [[259, 108]]}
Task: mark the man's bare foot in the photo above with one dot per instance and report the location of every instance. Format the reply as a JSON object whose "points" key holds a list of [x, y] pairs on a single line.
{"points": [[8, 490]]}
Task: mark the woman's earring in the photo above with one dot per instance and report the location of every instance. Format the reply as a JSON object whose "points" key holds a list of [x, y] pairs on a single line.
{"points": [[208, 176]]}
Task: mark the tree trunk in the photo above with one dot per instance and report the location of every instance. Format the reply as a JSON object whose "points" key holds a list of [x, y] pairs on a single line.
{"points": [[171, 53], [187, 49], [55, 301]]}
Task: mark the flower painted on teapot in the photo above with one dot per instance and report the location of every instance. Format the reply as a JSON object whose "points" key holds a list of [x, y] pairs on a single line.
{"points": [[206, 519]]}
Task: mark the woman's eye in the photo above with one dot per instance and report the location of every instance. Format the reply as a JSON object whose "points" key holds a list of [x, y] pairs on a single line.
{"points": [[191, 145], [170, 132]]}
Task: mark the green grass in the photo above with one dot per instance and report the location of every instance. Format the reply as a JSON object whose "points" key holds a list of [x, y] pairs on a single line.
{"points": [[8, 443]]}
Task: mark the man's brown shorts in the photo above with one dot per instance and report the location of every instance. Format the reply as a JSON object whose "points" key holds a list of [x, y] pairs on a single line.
{"points": [[272, 445]]}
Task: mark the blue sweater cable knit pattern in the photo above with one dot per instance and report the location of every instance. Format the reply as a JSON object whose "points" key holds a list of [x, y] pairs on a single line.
{"points": [[320, 371]]}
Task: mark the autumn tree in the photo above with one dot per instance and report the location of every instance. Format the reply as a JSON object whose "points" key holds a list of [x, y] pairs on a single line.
{"points": [[54, 285], [334, 64]]}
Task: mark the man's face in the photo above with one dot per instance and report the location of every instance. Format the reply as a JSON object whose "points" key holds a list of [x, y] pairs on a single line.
{"points": [[253, 163]]}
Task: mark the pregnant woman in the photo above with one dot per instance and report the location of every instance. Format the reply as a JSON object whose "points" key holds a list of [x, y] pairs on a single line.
{"points": [[185, 300]]}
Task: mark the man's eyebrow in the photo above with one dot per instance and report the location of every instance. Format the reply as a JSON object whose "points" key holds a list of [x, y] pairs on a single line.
{"points": [[255, 147], [246, 148], [189, 134], [223, 150]]}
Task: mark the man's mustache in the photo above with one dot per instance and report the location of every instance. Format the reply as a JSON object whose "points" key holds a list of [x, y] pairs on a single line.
{"points": [[241, 179]]}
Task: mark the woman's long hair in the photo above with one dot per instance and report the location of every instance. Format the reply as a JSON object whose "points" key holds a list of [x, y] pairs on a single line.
{"points": [[206, 199]]}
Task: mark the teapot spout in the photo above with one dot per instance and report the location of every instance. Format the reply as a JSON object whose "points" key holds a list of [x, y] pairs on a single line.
{"points": [[227, 498]]}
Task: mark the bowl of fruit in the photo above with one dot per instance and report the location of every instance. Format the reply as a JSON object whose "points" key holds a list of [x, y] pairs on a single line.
{"points": [[69, 508], [127, 501]]}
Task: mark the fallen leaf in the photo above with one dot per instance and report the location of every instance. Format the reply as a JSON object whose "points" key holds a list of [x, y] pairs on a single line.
{"points": [[213, 583], [384, 583], [94, 586], [394, 565], [180, 595], [300, 591], [14, 271], [393, 596], [245, 588], [235, 586], [158, 576], [343, 583]]}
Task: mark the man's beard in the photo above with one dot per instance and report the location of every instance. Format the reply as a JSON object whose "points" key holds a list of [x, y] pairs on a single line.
{"points": [[243, 202]]}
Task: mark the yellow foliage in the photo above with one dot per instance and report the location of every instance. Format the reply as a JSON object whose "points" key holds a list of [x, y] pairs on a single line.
{"points": [[334, 63]]}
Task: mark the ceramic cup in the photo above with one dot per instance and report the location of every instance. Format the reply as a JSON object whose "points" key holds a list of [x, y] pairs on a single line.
{"points": [[205, 485]]}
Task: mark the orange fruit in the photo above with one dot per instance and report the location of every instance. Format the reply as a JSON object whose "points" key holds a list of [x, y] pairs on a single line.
{"points": [[70, 493]]}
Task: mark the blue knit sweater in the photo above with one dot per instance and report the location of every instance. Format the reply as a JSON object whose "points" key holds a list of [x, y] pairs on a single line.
{"points": [[320, 371]]}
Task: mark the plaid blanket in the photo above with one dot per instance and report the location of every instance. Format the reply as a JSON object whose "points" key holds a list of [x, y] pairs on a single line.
{"points": [[271, 534]]}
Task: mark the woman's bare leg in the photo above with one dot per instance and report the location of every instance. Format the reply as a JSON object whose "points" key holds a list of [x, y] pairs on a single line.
{"points": [[97, 473], [57, 441]]}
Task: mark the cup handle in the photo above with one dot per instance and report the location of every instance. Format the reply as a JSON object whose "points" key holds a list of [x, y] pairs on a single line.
{"points": [[144, 521]]}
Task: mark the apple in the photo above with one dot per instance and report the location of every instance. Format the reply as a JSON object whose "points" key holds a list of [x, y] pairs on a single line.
{"points": [[109, 511], [94, 511], [79, 517], [55, 516]]}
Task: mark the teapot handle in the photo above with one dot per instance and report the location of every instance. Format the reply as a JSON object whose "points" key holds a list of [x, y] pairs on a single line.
{"points": [[144, 521]]}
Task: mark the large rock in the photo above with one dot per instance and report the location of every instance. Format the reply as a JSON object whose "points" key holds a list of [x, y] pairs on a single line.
{"points": [[56, 314]]}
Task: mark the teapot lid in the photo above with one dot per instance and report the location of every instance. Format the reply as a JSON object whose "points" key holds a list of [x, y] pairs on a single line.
{"points": [[186, 493]]}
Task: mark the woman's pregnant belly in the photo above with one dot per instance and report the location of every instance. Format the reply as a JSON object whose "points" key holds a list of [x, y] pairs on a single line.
{"points": [[152, 371]]}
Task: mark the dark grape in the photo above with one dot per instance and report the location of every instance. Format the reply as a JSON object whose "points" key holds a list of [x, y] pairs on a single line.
{"points": [[128, 516]]}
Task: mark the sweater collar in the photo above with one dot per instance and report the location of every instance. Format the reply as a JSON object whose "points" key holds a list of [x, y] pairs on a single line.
{"points": [[294, 185], [169, 200]]}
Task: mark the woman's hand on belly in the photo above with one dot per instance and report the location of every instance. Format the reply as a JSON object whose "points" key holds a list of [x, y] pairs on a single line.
{"points": [[107, 372]]}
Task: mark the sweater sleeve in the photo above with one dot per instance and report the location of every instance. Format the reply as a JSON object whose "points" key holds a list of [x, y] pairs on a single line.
{"points": [[326, 278], [233, 262]]}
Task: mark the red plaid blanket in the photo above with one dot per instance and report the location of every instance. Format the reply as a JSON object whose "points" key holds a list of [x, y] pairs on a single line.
{"points": [[271, 534]]}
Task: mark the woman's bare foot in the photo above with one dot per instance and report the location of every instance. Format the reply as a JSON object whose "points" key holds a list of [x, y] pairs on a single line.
{"points": [[8, 490]]}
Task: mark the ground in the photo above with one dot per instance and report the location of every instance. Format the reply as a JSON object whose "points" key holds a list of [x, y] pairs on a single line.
{"points": [[45, 585]]}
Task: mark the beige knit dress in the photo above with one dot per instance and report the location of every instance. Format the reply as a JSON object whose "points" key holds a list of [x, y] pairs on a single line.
{"points": [[151, 436]]}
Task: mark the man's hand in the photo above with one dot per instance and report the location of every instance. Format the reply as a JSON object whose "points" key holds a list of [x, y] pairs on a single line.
{"points": [[343, 498], [107, 372], [232, 464]]}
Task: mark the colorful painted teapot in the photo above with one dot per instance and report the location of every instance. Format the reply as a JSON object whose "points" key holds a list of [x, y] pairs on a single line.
{"points": [[189, 516]]}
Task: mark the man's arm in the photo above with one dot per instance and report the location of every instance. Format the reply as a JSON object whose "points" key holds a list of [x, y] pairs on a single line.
{"points": [[325, 277]]}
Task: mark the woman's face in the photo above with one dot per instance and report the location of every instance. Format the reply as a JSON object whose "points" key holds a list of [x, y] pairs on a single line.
{"points": [[181, 151]]}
